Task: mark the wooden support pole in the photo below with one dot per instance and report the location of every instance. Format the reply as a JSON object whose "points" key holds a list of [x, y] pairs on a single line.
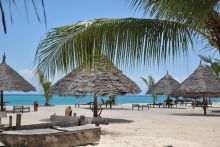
{"points": [[10, 121], [95, 104], [204, 105], [18, 121], [2, 101]]}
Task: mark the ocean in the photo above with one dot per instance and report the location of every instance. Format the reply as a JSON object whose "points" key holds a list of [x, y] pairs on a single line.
{"points": [[28, 99]]}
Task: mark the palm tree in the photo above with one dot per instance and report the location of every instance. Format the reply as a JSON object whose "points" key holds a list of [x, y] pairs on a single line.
{"points": [[213, 65], [7, 6], [149, 81], [172, 28], [46, 85]]}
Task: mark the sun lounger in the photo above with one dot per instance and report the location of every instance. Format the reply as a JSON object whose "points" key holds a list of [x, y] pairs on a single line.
{"points": [[140, 106], [85, 104], [135, 105], [201, 104], [156, 104], [106, 103], [21, 109]]}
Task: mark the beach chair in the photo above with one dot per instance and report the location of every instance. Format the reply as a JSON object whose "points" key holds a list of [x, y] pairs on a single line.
{"points": [[20, 109], [140, 106], [106, 103], [155, 104], [85, 104]]}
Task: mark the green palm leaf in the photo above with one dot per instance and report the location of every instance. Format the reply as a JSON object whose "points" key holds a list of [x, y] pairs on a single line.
{"points": [[6, 9], [149, 81], [127, 40], [206, 59], [191, 12]]}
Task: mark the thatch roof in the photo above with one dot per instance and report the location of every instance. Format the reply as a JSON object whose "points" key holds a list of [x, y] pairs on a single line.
{"points": [[201, 83], [103, 79], [164, 86], [10, 80]]}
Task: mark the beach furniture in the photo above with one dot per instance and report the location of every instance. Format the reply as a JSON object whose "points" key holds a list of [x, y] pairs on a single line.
{"points": [[12, 81], [84, 104], [106, 103], [135, 105], [102, 79], [165, 86], [156, 104], [202, 83], [140, 106], [21, 109]]}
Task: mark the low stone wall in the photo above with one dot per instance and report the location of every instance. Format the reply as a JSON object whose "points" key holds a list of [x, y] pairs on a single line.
{"points": [[58, 139]]}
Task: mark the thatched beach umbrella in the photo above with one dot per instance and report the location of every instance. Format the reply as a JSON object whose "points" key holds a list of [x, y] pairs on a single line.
{"points": [[102, 79], [202, 83], [10, 80], [165, 86]]}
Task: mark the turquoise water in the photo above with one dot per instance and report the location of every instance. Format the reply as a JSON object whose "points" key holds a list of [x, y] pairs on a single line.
{"points": [[20, 99]]}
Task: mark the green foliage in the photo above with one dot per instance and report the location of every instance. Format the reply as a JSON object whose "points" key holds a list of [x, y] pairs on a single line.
{"points": [[150, 82], [6, 9], [46, 85], [191, 12], [132, 41], [213, 65], [127, 41]]}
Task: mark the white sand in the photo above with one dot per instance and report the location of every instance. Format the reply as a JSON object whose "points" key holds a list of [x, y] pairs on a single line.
{"points": [[156, 127]]}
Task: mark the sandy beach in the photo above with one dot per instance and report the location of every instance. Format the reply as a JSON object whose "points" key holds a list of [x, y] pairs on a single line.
{"points": [[157, 127]]}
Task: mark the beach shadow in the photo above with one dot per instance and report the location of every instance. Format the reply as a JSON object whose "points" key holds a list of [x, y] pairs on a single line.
{"points": [[45, 120], [116, 109], [195, 114], [111, 120], [47, 106], [119, 121], [169, 108], [110, 109], [215, 111]]}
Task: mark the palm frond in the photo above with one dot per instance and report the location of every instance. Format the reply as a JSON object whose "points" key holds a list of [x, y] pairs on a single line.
{"points": [[190, 12], [6, 9], [206, 59], [129, 41], [149, 81]]}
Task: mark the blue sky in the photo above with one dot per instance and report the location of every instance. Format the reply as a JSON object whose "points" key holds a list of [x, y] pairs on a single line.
{"points": [[21, 41]]}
